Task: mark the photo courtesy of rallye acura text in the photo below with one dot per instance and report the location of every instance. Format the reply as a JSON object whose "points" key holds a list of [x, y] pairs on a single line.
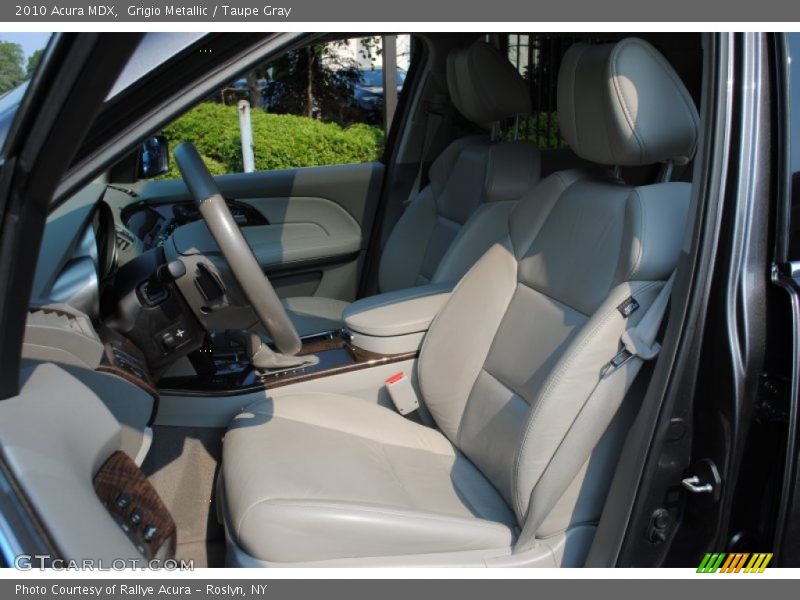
{"points": [[136, 589], [469, 300]]}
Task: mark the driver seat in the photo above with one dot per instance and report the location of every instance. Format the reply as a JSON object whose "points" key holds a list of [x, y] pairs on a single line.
{"points": [[474, 183], [515, 370]]}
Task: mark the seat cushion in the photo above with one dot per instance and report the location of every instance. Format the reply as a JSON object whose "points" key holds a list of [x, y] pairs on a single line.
{"points": [[314, 477], [314, 314]]}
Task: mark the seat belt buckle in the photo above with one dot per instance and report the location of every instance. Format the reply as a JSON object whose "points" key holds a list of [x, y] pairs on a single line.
{"points": [[402, 393], [620, 358]]}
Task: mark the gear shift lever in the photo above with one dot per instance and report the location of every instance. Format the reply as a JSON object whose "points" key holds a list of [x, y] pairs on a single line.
{"points": [[265, 359]]}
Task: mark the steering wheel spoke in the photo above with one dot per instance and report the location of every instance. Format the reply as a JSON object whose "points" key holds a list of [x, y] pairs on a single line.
{"points": [[236, 251]]}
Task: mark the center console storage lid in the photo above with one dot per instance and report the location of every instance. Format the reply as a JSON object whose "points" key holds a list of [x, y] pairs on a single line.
{"points": [[397, 313]]}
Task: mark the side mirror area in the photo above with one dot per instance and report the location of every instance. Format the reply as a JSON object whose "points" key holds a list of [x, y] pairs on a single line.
{"points": [[153, 157]]}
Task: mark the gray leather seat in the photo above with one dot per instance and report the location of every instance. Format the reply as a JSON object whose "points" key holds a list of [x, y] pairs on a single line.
{"points": [[473, 182], [515, 370]]}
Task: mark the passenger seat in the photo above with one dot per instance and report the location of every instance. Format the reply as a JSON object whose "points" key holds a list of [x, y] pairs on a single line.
{"points": [[524, 371], [473, 186]]}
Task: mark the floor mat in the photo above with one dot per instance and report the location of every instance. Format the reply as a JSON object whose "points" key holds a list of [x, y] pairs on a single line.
{"points": [[202, 554], [182, 465]]}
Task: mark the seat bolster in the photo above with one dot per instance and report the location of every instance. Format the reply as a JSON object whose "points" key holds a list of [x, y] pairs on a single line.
{"points": [[461, 336], [488, 226], [309, 530], [444, 164], [655, 219], [550, 452], [404, 253]]}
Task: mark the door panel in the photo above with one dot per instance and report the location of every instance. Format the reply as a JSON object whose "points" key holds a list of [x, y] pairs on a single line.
{"points": [[54, 456], [316, 221]]}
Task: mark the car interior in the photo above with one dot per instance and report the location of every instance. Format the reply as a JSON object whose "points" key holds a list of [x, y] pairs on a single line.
{"points": [[433, 359]]}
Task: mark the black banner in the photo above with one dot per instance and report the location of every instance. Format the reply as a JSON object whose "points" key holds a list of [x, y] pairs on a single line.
{"points": [[283, 11]]}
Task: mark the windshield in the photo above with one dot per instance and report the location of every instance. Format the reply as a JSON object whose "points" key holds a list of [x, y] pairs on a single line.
{"points": [[8, 108], [20, 54], [154, 49]]}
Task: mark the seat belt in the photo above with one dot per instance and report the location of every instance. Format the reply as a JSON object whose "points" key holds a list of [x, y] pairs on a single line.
{"points": [[433, 122], [640, 340]]}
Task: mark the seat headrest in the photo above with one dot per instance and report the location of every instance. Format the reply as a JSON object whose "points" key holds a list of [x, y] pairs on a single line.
{"points": [[484, 86], [624, 105]]}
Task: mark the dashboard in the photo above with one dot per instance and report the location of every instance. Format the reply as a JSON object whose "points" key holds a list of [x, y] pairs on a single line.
{"points": [[104, 273], [154, 223], [106, 284]]}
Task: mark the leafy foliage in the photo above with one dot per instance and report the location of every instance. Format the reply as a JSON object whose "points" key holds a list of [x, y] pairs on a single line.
{"points": [[11, 71], [279, 141], [542, 129], [315, 82], [33, 62]]}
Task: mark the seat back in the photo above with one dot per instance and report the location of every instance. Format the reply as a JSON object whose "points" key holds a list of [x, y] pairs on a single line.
{"points": [[471, 172], [511, 367]]}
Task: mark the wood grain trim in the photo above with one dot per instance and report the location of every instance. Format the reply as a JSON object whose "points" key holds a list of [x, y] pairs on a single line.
{"points": [[278, 380], [140, 383], [131, 378], [120, 475]]}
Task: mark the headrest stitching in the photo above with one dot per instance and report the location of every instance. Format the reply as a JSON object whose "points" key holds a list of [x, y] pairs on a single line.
{"points": [[471, 66], [640, 250], [683, 93], [679, 86], [631, 145], [574, 87], [621, 98]]}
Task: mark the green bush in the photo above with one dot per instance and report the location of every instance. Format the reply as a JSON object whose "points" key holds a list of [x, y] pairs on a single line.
{"points": [[279, 141], [542, 129]]}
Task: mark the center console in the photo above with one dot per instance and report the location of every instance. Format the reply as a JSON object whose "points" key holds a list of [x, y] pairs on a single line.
{"points": [[228, 371], [379, 330], [395, 322]]}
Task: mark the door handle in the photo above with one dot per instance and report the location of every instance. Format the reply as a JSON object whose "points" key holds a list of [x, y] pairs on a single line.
{"points": [[693, 485]]}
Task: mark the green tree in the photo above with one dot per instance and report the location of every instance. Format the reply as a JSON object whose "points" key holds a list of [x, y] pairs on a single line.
{"points": [[315, 82], [33, 62], [11, 70]]}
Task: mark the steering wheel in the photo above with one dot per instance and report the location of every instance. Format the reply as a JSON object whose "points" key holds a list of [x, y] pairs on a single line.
{"points": [[235, 249]]}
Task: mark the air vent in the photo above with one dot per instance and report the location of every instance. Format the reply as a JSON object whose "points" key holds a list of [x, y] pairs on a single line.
{"points": [[208, 284]]}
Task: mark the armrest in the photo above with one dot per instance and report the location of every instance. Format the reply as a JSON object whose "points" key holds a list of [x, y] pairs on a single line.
{"points": [[398, 313]]}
